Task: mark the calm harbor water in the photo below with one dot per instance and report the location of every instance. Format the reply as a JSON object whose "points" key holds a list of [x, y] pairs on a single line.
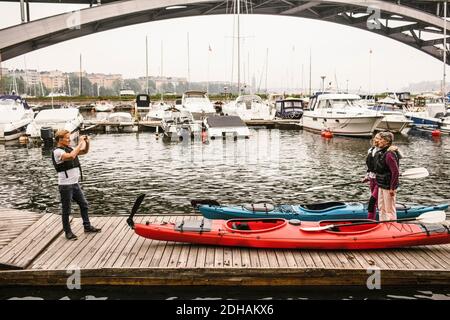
{"points": [[272, 165]]}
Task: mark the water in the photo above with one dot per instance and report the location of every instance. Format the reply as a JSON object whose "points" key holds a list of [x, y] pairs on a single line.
{"points": [[272, 165], [222, 293]]}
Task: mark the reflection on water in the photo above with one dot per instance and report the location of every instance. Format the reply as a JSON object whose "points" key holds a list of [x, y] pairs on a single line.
{"points": [[271, 166], [222, 293]]}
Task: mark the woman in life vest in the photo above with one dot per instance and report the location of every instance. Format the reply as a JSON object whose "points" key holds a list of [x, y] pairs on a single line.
{"points": [[386, 164], [66, 163], [371, 177]]}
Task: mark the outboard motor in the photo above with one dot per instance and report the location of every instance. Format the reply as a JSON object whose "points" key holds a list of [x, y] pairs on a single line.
{"points": [[47, 136]]}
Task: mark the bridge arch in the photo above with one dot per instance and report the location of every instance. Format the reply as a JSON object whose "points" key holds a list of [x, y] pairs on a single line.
{"points": [[418, 28]]}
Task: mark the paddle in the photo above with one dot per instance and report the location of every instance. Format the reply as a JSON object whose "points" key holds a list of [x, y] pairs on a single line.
{"points": [[413, 173], [136, 206], [427, 217]]}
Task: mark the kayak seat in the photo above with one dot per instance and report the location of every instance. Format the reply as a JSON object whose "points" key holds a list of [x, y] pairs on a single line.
{"points": [[325, 206], [240, 226], [258, 207]]}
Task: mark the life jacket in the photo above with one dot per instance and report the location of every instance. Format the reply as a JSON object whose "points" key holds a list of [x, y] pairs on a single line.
{"points": [[370, 160], [68, 164], [383, 173]]}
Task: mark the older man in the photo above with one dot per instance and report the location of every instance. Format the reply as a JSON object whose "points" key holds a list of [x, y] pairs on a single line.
{"points": [[387, 173]]}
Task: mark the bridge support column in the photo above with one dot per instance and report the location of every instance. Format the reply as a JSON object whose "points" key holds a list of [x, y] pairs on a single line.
{"points": [[24, 11]]}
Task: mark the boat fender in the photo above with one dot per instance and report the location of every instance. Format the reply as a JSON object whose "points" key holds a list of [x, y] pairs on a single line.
{"points": [[295, 222]]}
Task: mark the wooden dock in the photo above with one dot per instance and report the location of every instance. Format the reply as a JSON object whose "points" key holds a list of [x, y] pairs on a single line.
{"points": [[144, 125], [34, 252]]}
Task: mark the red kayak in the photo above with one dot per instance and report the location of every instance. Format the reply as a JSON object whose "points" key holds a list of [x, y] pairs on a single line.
{"points": [[293, 234]]}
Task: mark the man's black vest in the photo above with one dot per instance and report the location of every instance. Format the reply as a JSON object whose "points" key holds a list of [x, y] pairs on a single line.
{"points": [[68, 164], [382, 170]]}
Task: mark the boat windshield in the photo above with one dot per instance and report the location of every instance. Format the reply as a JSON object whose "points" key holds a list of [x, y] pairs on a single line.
{"points": [[293, 105], [9, 104], [252, 98], [339, 103], [196, 99]]}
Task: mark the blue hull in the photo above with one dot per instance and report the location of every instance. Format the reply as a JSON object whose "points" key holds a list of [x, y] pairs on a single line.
{"points": [[348, 210]]}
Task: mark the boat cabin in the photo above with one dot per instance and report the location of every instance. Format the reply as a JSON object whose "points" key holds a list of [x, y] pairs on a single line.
{"points": [[291, 108]]}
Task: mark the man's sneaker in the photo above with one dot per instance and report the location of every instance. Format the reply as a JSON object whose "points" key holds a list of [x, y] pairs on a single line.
{"points": [[71, 236], [92, 229]]}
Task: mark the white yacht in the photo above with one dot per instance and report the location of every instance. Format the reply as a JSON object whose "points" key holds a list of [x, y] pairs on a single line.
{"points": [[445, 125], [198, 104], [342, 114], [249, 107], [57, 119], [15, 115], [180, 125], [104, 106], [123, 122], [223, 126], [158, 110], [394, 119]]}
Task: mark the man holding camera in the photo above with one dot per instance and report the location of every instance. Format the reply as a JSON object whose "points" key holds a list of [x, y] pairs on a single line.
{"points": [[65, 160]]}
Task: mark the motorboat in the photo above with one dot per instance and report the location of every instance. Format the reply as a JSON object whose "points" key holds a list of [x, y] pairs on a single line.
{"points": [[158, 110], [104, 106], [69, 119], [180, 125], [15, 115], [120, 122], [427, 112], [142, 103], [290, 108], [394, 119], [445, 124], [223, 126], [198, 104], [249, 107], [342, 114]]}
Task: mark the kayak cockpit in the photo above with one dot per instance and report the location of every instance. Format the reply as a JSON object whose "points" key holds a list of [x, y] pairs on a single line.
{"points": [[254, 225], [359, 226], [324, 206]]}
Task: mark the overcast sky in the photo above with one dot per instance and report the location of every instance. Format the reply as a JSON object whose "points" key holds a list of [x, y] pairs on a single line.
{"points": [[338, 52]]}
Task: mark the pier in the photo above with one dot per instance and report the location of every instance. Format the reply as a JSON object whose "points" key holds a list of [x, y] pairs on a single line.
{"points": [[143, 125], [34, 252]]}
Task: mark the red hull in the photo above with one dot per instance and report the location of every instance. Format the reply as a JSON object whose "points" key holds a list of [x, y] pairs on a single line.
{"points": [[279, 233]]}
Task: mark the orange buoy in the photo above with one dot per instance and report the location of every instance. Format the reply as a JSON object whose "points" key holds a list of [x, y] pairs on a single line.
{"points": [[436, 133], [327, 134]]}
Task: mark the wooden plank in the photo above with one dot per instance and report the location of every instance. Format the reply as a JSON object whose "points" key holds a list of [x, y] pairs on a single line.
{"points": [[169, 247], [307, 256], [94, 244], [281, 259], [57, 250], [254, 258], [184, 255], [263, 258], [298, 256], [68, 258], [32, 252], [109, 245], [210, 257], [385, 256], [128, 247], [227, 257], [22, 241], [245, 258], [236, 257], [22, 250], [147, 245], [272, 258], [290, 259], [435, 254]]}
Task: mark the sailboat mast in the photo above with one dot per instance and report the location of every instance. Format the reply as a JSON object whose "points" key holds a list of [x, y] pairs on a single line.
{"points": [[146, 65], [238, 47], [188, 61], [267, 63], [79, 79], [310, 70], [445, 53]]}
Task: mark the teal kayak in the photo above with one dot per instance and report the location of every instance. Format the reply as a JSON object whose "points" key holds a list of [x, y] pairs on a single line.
{"points": [[307, 212]]}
